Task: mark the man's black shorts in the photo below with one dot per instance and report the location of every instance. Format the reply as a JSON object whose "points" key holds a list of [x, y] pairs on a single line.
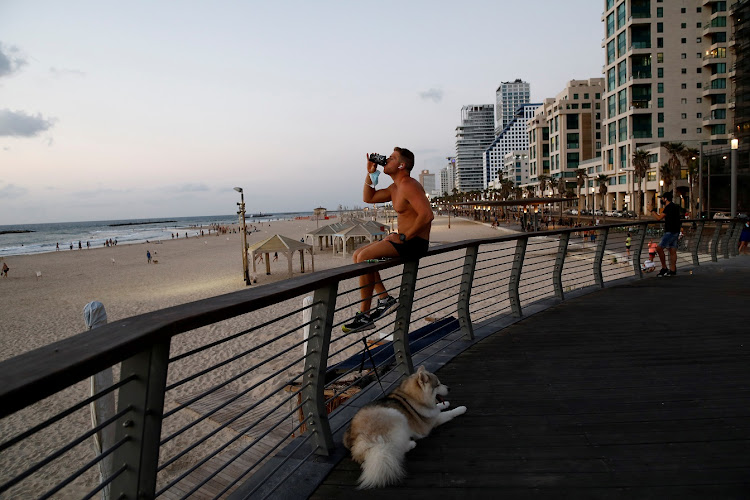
{"points": [[412, 249]]}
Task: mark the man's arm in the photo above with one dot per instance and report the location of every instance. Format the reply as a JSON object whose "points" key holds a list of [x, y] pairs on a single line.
{"points": [[659, 216], [372, 195], [417, 199]]}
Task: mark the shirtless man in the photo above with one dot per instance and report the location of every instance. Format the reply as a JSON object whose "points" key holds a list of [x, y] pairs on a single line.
{"points": [[411, 242]]}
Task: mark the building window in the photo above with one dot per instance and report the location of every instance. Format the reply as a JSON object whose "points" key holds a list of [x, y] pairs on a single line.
{"points": [[611, 52], [660, 88], [621, 15], [660, 102], [699, 115], [683, 25], [660, 117], [585, 96], [698, 85], [683, 71], [660, 132], [660, 12], [660, 43], [683, 10], [683, 56], [683, 85], [660, 27], [684, 131], [610, 25], [660, 57], [698, 70], [699, 100], [699, 130], [660, 72], [683, 116], [683, 40], [575, 96], [683, 101]]}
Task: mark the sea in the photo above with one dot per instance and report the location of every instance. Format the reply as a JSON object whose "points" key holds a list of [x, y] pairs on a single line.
{"points": [[41, 238]]}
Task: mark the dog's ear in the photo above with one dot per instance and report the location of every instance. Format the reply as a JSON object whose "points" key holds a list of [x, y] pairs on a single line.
{"points": [[422, 376]]}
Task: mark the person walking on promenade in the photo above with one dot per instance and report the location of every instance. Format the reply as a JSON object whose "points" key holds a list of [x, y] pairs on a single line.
{"points": [[670, 214], [148, 256], [744, 238], [628, 240], [411, 242]]}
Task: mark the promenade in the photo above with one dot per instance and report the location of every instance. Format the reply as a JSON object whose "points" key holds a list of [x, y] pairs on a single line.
{"points": [[640, 390]]}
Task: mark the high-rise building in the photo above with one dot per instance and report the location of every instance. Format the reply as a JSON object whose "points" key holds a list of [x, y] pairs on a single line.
{"points": [[473, 136], [516, 167], [513, 137], [565, 131], [668, 79], [508, 97], [448, 177], [427, 180]]}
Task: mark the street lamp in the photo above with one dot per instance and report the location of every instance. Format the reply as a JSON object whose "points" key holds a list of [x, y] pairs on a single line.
{"points": [[733, 183], [243, 227]]}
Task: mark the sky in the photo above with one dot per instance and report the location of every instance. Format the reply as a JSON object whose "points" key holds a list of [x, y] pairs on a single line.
{"points": [[120, 110]]}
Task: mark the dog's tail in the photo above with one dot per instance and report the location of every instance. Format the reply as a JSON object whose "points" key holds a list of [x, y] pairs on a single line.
{"points": [[384, 463]]}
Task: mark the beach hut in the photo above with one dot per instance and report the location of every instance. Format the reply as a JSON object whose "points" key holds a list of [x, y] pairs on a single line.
{"points": [[287, 246], [324, 235]]}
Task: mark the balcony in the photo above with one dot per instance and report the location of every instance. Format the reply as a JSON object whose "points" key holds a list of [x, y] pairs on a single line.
{"points": [[640, 104], [641, 134], [640, 75], [715, 26], [640, 46], [711, 120]]}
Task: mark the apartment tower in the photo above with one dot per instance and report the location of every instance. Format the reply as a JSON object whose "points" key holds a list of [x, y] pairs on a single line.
{"points": [[473, 136], [508, 97], [667, 79], [513, 137]]}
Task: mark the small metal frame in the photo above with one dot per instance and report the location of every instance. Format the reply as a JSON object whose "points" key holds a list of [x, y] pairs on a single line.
{"points": [[696, 246], [639, 242], [562, 250], [515, 276], [464, 291], [601, 244], [715, 242], [403, 317]]}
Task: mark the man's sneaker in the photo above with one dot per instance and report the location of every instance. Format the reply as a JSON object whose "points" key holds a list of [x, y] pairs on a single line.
{"points": [[385, 306], [362, 321], [672, 273], [664, 272]]}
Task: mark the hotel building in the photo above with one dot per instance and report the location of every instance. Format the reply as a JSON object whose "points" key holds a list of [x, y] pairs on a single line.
{"points": [[513, 137], [566, 131]]}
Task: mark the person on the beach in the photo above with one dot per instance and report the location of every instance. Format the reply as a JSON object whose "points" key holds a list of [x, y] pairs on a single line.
{"points": [[628, 240], [670, 213], [57, 247], [5, 270], [411, 242], [148, 256]]}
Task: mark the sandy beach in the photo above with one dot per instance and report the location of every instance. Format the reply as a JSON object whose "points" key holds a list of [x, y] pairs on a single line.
{"points": [[40, 310]]}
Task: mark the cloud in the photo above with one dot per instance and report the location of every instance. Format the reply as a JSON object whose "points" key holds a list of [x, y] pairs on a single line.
{"points": [[11, 60], [12, 191], [63, 72], [435, 95], [21, 124]]}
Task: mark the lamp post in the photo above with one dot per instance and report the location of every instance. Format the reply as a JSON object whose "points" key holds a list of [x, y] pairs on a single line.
{"points": [[243, 227], [733, 183]]}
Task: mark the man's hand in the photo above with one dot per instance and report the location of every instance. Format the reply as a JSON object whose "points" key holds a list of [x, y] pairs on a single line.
{"points": [[371, 167]]}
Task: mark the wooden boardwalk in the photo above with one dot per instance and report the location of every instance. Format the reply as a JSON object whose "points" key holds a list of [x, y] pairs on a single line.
{"points": [[636, 391]]}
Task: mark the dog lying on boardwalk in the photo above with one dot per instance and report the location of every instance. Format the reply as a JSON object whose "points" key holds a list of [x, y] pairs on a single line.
{"points": [[382, 432]]}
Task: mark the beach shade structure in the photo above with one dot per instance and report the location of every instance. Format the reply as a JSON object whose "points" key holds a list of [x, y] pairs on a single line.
{"points": [[94, 315], [287, 246], [358, 232]]}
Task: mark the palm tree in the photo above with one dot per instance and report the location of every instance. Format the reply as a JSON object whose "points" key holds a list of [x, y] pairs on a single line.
{"points": [[641, 164], [506, 188], [543, 182], [602, 180], [581, 176], [691, 160], [676, 152], [561, 188], [665, 172], [517, 192], [531, 191]]}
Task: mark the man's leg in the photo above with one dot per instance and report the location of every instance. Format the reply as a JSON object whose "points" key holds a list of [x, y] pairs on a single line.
{"points": [[371, 282], [673, 259], [660, 251]]}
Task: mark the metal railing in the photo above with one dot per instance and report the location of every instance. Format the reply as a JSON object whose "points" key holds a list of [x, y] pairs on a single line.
{"points": [[211, 392]]}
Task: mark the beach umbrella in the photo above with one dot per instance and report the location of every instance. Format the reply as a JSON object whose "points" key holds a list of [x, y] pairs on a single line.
{"points": [[103, 408]]}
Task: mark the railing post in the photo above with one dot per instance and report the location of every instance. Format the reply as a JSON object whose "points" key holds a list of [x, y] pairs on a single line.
{"points": [[638, 249], [464, 291], [142, 425], [316, 362], [404, 364], [715, 241], [515, 276], [728, 238], [601, 244], [562, 250], [698, 236]]}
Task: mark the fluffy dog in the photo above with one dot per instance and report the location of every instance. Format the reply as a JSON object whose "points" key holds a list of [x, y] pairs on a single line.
{"points": [[383, 431]]}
